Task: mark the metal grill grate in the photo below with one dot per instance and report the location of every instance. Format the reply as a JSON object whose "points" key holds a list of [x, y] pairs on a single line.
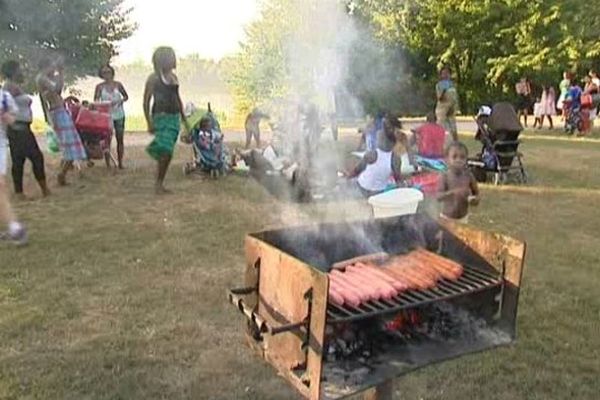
{"points": [[471, 281]]}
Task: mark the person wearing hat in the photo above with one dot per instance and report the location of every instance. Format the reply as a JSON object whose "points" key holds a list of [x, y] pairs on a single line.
{"points": [[482, 119]]}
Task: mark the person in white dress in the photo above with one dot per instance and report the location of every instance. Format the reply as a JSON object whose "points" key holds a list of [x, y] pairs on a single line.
{"points": [[548, 107]]}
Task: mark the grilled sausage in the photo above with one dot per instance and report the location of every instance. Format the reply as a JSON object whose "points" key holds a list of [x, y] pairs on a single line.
{"points": [[443, 260], [342, 280], [335, 297], [382, 289], [348, 294], [406, 271], [440, 262], [419, 274], [375, 292], [398, 274], [417, 269], [365, 284], [423, 267], [405, 264], [395, 283], [360, 269], [346, 289], [445, 271]]}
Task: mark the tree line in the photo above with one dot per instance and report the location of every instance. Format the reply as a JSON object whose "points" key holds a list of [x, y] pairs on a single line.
{"points": [[401, 45], [393, 59]]}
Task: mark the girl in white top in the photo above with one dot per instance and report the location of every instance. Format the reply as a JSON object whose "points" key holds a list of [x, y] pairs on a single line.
{"points": [[548, 105], [8, 111], [379, 166], [113, 92], [538, 112]]}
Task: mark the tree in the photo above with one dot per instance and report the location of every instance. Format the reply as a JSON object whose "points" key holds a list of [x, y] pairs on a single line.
{"points": [[296, 49], [85, 32], [258, 72], [489, 43]]}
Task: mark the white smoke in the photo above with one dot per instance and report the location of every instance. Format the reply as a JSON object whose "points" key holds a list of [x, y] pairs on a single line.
{"points": [[317, 53]]}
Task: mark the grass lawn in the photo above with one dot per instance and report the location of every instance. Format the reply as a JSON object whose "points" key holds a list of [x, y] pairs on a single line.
{"points": [[121, 295]]}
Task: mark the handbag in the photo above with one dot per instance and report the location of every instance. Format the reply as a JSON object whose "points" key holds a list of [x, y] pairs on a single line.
{"points": [[95, 122], [51, 140], [586, 100]]}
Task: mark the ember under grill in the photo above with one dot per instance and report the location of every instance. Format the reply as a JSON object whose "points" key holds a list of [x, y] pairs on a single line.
{"points": [[327, 351]]}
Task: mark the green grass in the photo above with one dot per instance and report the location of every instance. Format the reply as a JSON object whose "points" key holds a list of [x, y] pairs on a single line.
{"points": [[121, 295]]}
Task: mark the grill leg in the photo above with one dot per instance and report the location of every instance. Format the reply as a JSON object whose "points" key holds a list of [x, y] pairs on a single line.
{"points": [[385, 391]]}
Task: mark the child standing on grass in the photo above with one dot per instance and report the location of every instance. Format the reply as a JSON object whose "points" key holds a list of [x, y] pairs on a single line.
{"points": [[538, 113], [50, 84], [16, 231], [164, 119], [113, 92], [458, 188]]}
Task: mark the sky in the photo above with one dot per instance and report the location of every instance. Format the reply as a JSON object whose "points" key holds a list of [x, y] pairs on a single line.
{"points": [[211, 28]]}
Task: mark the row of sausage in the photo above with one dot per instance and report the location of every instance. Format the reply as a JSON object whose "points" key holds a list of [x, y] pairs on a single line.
{"points": [[366, 281]]}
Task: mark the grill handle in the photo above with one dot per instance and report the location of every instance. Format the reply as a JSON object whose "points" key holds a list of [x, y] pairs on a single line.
{"points": [[236, 298]]}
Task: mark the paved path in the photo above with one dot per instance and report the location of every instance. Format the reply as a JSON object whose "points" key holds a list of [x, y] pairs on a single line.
{"points": [[141, 138], [464, 127]]}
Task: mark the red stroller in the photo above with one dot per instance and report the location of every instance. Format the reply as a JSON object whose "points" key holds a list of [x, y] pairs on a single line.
{"points": [[94, 123]]}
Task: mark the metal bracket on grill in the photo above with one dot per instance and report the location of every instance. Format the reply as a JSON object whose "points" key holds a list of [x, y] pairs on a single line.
{"points": [[236, 298]]}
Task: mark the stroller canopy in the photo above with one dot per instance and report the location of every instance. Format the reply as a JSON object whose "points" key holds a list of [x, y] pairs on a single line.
{"points": [[504, 118]]}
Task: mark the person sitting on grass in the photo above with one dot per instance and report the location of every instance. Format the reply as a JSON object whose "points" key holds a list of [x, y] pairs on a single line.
{"points": [[458, 188], [430, 138], [374, 172]]}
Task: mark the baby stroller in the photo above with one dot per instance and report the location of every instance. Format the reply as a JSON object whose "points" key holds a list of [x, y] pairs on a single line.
{"points": [[209, 152], [95, 126], [498, 131]]}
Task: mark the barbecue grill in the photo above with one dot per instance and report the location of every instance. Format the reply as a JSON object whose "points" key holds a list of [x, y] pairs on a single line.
{"points": [[329, 351]]}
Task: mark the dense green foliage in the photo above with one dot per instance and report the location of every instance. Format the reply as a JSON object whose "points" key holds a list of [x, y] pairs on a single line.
{"points": [[84, 31], [490, 43], [401, 45], [283, 54]]}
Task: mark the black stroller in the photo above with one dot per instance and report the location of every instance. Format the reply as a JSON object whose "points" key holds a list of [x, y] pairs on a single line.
{"points": [[498, 132]]}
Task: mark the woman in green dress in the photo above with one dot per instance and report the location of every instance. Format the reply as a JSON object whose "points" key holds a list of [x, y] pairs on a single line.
{"points": [[167, 112]]}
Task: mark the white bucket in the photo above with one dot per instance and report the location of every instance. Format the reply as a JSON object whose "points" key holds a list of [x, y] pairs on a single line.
{"points": [[396, 202]]}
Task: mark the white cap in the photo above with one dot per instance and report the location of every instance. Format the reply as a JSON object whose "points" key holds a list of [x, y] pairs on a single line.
{"points": [[484, 111]]}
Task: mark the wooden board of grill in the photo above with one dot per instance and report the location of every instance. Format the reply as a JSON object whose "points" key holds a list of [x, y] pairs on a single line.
{"points": [[284, 284]]}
